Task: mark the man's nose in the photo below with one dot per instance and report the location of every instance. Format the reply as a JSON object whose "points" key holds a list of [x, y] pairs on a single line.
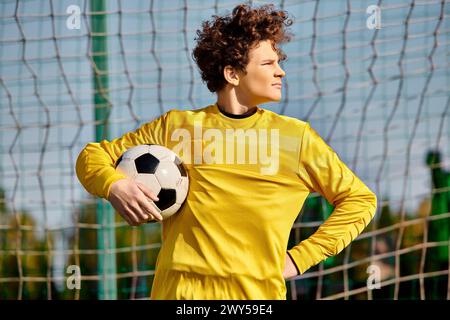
{"points": [[280, 72]]}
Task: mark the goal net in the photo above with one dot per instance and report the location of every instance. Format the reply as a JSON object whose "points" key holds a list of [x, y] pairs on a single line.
{"points": [[372, 77]]}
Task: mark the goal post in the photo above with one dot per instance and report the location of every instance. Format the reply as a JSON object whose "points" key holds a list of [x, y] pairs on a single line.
{"points": [[107, 286]]}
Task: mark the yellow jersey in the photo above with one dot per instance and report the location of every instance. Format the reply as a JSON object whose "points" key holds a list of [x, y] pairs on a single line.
{"points": [[249, 178]]}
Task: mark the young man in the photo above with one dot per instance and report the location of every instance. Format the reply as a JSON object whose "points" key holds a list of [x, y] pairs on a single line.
{"points": [[250, 172]]}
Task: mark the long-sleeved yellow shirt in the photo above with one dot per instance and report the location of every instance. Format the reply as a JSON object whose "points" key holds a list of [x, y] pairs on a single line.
{"points": [[249, 178]]}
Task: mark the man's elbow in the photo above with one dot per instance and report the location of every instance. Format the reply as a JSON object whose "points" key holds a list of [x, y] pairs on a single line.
{"points": [[84, 162], [81, 167]]}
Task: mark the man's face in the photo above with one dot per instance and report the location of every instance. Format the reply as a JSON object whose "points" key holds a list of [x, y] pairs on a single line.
{"points": [[263, 72]]}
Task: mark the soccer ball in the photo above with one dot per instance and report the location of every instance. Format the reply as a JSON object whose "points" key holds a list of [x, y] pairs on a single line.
{"points": [[161, 171]]}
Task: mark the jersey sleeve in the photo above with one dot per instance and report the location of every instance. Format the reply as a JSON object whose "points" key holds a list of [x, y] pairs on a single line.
{"points": [[321, 170], [95, 166]]}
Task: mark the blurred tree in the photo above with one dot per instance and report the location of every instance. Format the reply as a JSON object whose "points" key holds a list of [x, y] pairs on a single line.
{"points": [[137, 250], [24, 258], [83, 242], [439, 229]]}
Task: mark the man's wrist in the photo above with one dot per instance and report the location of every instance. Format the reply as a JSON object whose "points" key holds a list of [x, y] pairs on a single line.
{"points": [[293, 262]]}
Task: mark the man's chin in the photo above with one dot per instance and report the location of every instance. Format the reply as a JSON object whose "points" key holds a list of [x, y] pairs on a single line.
{"points": [[277, 99], [269, 100]]}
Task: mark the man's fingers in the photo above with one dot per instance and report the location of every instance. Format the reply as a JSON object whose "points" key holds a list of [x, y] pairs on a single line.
{"points": [[150, 208], [131, 216], [128, 220], [147, 192], [144, 213]]}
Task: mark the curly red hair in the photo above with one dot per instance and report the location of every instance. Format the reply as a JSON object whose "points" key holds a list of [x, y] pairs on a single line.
{"points": [[227, 40]]}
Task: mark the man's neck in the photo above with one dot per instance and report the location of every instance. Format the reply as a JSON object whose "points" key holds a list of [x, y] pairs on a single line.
{"points": [[236, 115], [228, 103]]}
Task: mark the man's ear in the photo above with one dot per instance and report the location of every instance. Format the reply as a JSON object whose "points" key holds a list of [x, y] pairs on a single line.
{"points": [[231, 76]]}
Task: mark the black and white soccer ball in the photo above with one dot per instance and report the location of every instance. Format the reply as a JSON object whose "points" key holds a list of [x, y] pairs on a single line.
{"points": [[159, 169]]}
